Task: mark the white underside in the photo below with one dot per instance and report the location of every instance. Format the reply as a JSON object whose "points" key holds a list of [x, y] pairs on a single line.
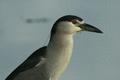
{"points": [[59, 54]]}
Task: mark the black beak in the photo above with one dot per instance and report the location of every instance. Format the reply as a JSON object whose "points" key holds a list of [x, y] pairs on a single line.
{"points": [[90, 28]]}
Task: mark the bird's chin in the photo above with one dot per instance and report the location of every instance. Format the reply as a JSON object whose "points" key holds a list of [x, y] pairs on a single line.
{"points": [[79, 31]]}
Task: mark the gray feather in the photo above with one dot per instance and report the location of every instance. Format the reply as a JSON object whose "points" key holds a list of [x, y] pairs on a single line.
{"points": [[29, 63]]}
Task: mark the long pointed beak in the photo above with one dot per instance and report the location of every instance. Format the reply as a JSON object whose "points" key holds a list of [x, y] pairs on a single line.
{"points": [[90, 28]]}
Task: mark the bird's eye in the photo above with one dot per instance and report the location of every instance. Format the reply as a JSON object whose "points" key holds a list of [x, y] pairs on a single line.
{"points": [[74, 21]]}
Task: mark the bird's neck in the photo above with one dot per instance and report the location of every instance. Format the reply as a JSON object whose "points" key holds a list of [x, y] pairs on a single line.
{"points": [[59, 52], [61, 40]]}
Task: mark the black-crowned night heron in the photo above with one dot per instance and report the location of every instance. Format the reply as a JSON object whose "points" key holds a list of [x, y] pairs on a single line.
{"points": [[49, 62]]}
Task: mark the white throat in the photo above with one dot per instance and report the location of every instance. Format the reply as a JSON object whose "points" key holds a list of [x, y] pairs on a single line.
{"points": [[59, 52]]}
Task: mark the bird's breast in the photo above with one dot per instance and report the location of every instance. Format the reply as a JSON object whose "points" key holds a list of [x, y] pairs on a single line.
{"points": [[58, 55]]}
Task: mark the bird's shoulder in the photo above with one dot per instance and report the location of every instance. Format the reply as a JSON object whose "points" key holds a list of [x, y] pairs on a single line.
{"points": [[35, 58]]}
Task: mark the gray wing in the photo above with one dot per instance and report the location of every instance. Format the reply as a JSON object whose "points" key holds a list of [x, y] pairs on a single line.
{"points": [[29, 63]]}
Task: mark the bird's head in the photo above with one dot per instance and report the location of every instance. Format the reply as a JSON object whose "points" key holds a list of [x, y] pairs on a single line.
{"points": [[71, 24]]}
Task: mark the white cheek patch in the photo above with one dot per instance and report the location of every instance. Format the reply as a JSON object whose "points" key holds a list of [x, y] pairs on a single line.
{"points": [[68, 27], [71, 28]]}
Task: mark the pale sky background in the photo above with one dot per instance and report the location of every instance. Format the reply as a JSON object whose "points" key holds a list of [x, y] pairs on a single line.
{"points": [[95, 56]]}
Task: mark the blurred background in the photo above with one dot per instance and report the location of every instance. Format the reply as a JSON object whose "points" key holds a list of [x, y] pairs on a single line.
{"points": [[25, 26]]}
